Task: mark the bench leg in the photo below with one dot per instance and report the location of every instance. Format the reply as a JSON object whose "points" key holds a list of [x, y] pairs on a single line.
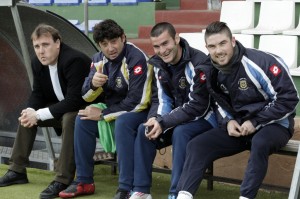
{"points": [[210, 174], [114, 166], [113, 169], [49, 147], [294, 190]]}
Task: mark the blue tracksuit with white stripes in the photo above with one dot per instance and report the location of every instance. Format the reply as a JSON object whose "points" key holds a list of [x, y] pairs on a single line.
{"points": [[260, 89], [127, 95], [172, 85]]}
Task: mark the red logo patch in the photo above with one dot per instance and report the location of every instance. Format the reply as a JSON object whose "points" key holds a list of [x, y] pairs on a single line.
{"points": [[275, 70], [202, 77], [137, 70]]}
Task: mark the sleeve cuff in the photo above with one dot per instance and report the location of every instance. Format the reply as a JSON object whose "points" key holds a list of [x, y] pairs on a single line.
{"points": [[45, 114], [160, 121], [254, 122]]}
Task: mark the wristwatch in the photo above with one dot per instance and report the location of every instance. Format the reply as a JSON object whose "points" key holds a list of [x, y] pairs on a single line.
{"points": [[101, 116]]}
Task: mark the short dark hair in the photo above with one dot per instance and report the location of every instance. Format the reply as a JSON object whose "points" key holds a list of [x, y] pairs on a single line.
{"points": [[107, 29], [43, 29], [217, 27], [162, 27]]}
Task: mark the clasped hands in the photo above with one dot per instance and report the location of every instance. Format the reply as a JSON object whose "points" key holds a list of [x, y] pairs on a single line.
{"points": [[236, 130], [28, 118]]}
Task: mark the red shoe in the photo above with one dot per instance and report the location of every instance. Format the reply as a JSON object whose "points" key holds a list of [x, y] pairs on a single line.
{"points": [[76, 189]]}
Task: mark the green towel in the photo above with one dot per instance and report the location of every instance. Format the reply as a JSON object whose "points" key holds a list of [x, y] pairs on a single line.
{"points": [[106, 132]]}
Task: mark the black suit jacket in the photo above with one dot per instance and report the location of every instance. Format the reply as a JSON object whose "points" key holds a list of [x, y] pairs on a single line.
{"points": [[72, 68]]}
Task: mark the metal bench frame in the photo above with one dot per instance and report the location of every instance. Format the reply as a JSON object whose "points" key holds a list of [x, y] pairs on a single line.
{"points": [[291, 149]]}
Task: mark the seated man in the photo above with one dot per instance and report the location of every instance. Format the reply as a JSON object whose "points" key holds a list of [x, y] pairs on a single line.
{"points": [[257, 100], [174, 64], [58, 73], [120, 79]]}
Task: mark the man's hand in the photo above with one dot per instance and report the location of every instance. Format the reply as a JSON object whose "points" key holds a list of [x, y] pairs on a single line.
{"points": [[90, 113], [156, 130], [28, 118], [247, 128], [99, 79], [234, 129]]}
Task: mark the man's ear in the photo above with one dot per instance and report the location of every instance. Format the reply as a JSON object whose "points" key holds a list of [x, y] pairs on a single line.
{"points": [[177, 39], [233, 41], [57, 42], [123, 38]]}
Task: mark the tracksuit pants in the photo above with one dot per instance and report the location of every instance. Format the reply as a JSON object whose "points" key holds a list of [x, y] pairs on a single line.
{"points": [[86, 132], [135, 161], [216, 143]]}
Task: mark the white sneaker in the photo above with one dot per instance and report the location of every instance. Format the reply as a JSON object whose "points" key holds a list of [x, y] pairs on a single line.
{"points": [[242, 197], [184, 195], [140, 195]]}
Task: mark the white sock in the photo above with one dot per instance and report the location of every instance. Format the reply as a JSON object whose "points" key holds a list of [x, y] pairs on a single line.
{"points": [[184, 195], [242, 197]]}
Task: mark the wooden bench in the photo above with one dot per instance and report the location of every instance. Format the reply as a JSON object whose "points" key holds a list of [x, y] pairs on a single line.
{"points": [[291, 149]]}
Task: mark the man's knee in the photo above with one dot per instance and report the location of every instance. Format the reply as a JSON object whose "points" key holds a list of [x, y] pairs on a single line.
{"points": [[181, 134], [197, 143], [68, 122], [121, 120], [68, 119], [261, 146]]}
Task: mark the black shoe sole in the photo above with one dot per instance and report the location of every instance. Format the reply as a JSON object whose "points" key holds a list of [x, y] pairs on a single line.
{"points": [[22, 181], [48, 197]]}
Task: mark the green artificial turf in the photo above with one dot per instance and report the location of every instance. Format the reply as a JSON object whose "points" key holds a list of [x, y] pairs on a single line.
{"points": [[106, 186]]}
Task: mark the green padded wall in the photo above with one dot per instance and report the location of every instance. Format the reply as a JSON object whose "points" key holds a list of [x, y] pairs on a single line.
{"points": [[129, 17]]}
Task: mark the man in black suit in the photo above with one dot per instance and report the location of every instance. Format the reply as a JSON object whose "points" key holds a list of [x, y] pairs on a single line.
{"points": [[59, 73]]}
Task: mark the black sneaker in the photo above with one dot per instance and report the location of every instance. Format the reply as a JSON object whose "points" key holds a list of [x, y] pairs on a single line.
{"points": [[12, 177], [53, 190], [122, 194]]}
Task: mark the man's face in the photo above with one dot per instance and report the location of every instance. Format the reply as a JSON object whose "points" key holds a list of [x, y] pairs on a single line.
{"points": [[220, 48], [112, 48], [46, 49], [166, 47]]}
